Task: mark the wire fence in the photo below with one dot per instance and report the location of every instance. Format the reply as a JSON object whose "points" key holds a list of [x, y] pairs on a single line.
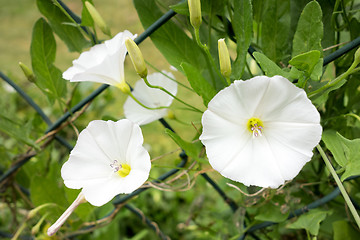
{"points": [[121, 201]]}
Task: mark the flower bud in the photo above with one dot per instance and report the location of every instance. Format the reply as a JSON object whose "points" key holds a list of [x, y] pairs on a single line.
{"points": [[224, 58], [136, 57], [195, 13], [27, 72], [34, 211], [98, 20], [35, 229], [124, 87]]}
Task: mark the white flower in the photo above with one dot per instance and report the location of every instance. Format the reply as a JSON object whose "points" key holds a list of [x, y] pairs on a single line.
{"points": [[108, 159], [150, 97], [261, 131], [103, 63]]}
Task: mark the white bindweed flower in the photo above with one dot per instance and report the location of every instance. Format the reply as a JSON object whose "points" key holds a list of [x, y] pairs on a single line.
{"points": [[103, 63], [260, 132], [150, 97], [108, 159]]}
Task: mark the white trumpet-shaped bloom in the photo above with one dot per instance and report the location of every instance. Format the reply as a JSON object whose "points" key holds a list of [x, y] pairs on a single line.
{"points": [[103, 63], [108, 159], [151, 98], [261, 131]]}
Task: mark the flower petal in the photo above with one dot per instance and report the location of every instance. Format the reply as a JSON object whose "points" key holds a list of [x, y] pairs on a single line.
{"points": [[255, 164], [103, 63], [244, 96], [102, 192], [79, 171], [220, 144], [282, 101]]}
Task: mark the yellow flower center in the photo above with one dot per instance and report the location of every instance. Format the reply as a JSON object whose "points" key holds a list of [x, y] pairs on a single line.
{"points": [[124, 170], [256, 126]]}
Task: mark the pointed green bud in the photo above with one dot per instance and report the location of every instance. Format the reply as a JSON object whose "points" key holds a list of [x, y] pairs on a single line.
{"points": [[37, 226], [27, 72], [136, 57], [195, 13], [98, 20], [34, 211], [124, 87], [224, 58]]}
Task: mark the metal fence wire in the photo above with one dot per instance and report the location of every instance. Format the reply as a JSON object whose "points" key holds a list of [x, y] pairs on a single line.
{"points": [[122, 201]]}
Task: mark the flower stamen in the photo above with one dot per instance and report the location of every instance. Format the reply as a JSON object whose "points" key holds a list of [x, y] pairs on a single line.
{"points": [[255, 126], [122, 169], [115, 166]]}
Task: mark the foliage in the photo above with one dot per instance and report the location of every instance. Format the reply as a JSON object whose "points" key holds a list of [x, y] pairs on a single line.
{"points": [[290, 38]]}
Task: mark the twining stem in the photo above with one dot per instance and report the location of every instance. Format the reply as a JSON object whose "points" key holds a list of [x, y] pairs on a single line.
{"points": [[172, 79], [208, 54], [353, 115], [141, 104], [352, 69], [340, 185], [172, 95]]}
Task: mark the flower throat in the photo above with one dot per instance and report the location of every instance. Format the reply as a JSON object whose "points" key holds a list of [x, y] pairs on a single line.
{"points": [[122, 169], [256, 126]]}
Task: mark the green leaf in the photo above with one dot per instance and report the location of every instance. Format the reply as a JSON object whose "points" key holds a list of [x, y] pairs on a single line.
{"points": [[86, 19], [43, 50], [346, 152], [343, 230], [310, 221], [309, 30], [16, 130], [49, 191], [322, 97], [275, 29], [317, 72], [334, 144], [328, 40], [191, 149], [172, 42], [272, 213], [306, 61], [242, 24], [198, 83], [181, 8], [72, 36], [269, 67]]}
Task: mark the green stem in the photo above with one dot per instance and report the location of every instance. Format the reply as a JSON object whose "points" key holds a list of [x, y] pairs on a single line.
{"points": [[353, 115], [71, 19], [172, 79], [340, 185], [141, 104], [182, 122], [172, 95], [19, 231], [248, 68], [208, 54], [351, 70], [228, 81]]}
